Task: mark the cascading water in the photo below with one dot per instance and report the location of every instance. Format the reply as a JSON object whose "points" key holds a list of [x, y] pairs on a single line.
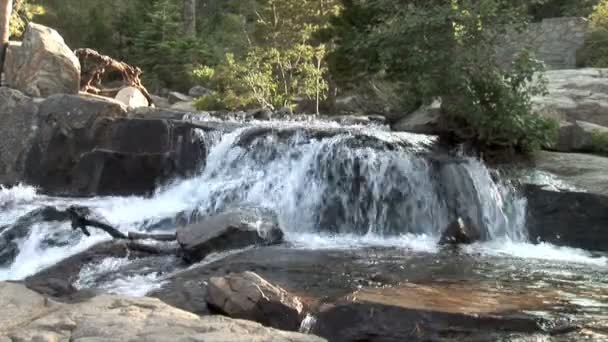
{"points": [[323, 181]]}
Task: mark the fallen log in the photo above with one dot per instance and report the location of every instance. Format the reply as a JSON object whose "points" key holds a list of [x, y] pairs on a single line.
{"points": [[95, 68], [157, 237], [154, 250]]}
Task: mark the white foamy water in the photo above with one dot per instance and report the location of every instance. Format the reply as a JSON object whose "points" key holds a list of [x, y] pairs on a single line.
{"points": [[349, 188]]}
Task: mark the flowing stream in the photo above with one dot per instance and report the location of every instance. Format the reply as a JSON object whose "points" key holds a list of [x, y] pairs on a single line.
{"points": [[333, 187]]}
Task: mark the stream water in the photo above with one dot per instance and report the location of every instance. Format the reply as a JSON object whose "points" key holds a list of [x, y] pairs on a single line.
{"points": [[383, 197]]}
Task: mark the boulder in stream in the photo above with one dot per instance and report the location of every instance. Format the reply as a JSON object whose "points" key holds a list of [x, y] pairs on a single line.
{"points": [[248, 296], [459, 232], [231, 229]]}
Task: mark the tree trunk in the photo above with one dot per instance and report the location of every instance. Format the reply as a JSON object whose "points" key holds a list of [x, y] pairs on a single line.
{"points": [[6, 9], [190, 18]]}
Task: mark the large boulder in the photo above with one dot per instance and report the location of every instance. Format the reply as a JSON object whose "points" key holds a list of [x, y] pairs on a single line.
{"points": [[575, 95], [87, 146], [567, 218], [248, 296], [28, 316], [18, 114], [578, 136], [132, 97], [43, 64], [231, 229], [582, 171]]}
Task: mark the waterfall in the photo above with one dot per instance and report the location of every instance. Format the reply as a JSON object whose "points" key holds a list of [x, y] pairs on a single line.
{"points": [[321, 179]]}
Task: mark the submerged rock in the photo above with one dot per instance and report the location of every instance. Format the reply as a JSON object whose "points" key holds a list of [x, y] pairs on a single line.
{"points": [[248, 296], [43, 64], [28, 316], [459, 232], [58, 280], [232, 229]]}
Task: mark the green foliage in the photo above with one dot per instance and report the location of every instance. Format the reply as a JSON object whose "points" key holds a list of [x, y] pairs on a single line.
{"points": [[266, 77], [600, 143], [541, 9], [595, 51], [24, 11], [436, 48]]}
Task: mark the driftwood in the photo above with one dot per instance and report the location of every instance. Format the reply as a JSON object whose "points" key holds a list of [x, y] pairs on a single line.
{"points": [[94, 66], [157, 237], [153, 250]]}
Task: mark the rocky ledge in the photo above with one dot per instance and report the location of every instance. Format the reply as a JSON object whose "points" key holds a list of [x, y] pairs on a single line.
{"points": [[29, 316]]}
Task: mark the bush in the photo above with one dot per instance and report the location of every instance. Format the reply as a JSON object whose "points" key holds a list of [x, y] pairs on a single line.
{"points": [[495, 108], [595, 51]]}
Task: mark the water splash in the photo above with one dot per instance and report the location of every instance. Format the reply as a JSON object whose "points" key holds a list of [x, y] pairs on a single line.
{"points": [[329, 184]]}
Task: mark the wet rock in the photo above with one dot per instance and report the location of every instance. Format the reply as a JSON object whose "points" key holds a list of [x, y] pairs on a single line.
{"points": [[567, 218], [175, 97], [380, 322], [28, 316], [86, 146], [199, 91], [58, 280], [261, 114], [43, 64], [232, 229], [248, 296], [19, 124], [459, 232], [132, 97]]}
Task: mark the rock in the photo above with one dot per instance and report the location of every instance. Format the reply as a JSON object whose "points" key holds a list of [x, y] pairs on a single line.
{"points": [[248, 296], [43, 65], [350, 120], [187, 106], [175, 97], [459, 232], [575, 95], [199, 91], [567, 218], [160, 102], [583, 171], [132, 97], [232, 229], [414, 313], [577, 136], [285, 111], [19, 125], [261, 114], [86, 146], [28, 316], [58, 280], [425, 120]]}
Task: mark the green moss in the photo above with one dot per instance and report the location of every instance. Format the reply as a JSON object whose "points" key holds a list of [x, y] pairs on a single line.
{"points": [[600, 143]]}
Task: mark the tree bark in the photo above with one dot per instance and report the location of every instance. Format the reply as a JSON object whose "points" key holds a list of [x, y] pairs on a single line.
{"points": [[190, 18], [6, 9]]}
